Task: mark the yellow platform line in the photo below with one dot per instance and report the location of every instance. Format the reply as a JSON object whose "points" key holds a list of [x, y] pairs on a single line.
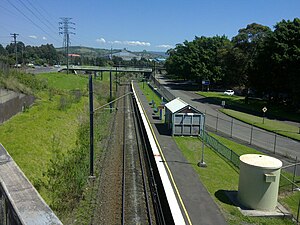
{"points": [[168, 169]]}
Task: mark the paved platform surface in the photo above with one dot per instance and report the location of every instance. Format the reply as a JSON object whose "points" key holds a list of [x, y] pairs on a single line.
{"points": [[201, 208]]}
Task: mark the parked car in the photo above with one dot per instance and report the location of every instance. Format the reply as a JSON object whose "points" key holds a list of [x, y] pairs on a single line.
{"points": [[229, 92]]}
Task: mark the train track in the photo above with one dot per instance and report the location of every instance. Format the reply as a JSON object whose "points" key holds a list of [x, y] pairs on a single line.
{"points": [[136, 197], [127, 191]]}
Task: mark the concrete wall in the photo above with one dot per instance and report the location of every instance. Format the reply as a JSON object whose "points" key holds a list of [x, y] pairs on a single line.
{"points": [[12, 103]]}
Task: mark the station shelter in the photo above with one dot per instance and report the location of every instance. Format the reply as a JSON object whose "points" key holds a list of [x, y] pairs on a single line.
{"points": [[183, 119]]}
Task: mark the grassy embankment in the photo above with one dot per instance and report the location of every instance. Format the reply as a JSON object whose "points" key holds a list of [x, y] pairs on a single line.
{"points": [[226, 177], [50, 140], [256, 106]]}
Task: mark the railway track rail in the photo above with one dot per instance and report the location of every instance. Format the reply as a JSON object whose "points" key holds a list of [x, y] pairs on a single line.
{"points": [[136, 197]]}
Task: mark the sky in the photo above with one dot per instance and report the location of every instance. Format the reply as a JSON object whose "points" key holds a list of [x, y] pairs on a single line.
{"points": [[137, 25]]}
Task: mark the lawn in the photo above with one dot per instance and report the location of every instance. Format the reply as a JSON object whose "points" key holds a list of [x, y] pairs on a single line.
{"points": [[218, 167], [267, 124], [149, 93], [254, 106], [62, 81], [226, 174], [253, 109]]}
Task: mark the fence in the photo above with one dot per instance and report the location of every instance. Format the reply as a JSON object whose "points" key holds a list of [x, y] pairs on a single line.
{"points": [[20, 203], [162, 89], [288, 180], [271, 142], [222, 149]]}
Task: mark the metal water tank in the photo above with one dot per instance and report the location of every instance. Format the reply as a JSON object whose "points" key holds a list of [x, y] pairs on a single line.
{"points": [[259, 181]]}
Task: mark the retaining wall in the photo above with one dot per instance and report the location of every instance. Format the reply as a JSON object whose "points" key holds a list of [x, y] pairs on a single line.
{"points": [[12, 103]]}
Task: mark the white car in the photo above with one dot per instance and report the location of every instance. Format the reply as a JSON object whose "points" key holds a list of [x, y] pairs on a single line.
{"points": [[229, 92]]}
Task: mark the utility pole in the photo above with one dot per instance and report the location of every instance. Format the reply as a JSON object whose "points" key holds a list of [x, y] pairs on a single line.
{"points": [[14, 35], [64, 28]]}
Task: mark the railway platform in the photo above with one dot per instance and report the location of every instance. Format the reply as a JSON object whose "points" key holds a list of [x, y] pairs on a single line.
{"points": [[197, 206]]}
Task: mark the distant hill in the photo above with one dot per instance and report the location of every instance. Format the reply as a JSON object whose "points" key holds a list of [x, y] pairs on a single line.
{"points": [[98, 52]]}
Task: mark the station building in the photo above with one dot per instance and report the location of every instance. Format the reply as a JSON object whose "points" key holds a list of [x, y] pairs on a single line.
{"points": [[183, 119]]}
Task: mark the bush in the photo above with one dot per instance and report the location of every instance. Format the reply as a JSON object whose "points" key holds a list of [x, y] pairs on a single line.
{"points": [[67, 173]]}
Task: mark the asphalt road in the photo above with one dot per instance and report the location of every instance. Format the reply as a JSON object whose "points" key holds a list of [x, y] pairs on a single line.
{"points": [[215, 120], [41, 69]]}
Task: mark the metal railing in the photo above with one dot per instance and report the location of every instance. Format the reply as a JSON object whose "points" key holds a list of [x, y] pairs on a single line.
{"points": [[288, 184], [20, 203], [222, 149], [269, 141]]}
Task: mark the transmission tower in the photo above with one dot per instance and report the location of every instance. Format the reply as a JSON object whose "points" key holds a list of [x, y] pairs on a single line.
{"points": [[14, 35], [64, 28]]}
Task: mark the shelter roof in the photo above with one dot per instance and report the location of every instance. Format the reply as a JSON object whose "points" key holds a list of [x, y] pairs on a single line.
{"points": [[176, 104]]}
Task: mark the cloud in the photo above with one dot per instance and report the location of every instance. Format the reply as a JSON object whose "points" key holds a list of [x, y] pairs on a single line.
{"points": [[137, 43], [44, 38], [164, 46], [131, 43], [101, 40], [33, 36], [115, 42]]}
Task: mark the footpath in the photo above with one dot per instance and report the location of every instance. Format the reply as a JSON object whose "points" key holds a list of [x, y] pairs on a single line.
{"points": [[197, 205]]}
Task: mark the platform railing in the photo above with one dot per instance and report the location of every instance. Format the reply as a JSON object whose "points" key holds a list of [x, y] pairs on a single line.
{"points": [[20, 203]]}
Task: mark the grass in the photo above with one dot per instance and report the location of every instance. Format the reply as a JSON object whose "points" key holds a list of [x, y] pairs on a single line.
{"points": [[270, 125], [226, 174], [30, 137], [62, 81], [218, 167], [149, 93], [254, 106]]}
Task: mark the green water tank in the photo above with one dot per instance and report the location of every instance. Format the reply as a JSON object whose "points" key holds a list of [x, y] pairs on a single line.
{"points": [[259, 181]]}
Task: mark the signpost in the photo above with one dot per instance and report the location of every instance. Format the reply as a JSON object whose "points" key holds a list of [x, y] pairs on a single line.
{"points": [[223, 104], [264, 109], [205, 83]]}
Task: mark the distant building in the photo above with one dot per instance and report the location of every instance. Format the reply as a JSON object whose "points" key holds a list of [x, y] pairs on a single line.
{"points": [[126, 55], [74, 55]]}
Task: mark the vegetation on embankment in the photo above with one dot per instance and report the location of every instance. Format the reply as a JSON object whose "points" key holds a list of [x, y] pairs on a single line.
{"points": [[50, 141]]}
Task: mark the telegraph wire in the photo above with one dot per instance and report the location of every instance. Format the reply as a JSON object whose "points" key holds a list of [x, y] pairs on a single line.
{"points": [[8, 11], [42, 16], [35, 15], [32, 21]]}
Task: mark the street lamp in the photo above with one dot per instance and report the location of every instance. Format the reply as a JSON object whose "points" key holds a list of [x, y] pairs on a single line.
{"points": [[202, 163], [92, 111]]}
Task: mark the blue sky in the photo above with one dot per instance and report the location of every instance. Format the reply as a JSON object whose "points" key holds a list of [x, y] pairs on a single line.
{"points": [[136, 24]]}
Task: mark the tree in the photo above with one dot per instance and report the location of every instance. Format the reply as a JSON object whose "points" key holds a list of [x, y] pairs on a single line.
{"points": [[278, 63], [241, 56], [200, 59]]}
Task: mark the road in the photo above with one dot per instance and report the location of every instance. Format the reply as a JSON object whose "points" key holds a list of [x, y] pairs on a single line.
{"points": [[222, 123]]}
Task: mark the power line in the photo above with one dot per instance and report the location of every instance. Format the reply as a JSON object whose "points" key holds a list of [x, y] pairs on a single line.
{"points": [[42, 16], [33, 13], [32, 21], [64, 28], [14, 35]]}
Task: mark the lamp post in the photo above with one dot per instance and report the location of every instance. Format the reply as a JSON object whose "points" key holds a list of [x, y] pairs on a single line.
{"points": [[91, 127], [92, 111], [202, 163]]}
